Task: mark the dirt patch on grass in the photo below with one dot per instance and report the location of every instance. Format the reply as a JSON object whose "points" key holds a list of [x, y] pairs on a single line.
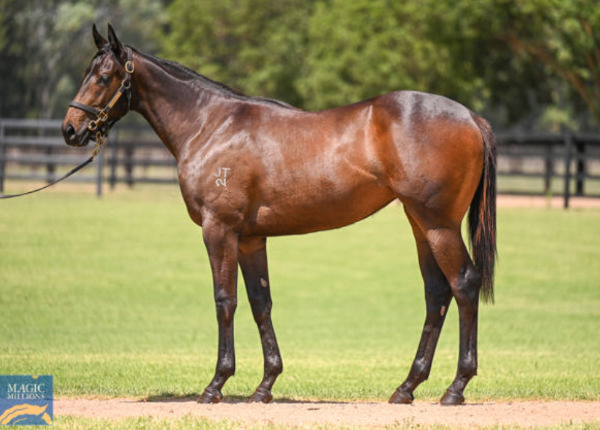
{"points": [[522, 413]]}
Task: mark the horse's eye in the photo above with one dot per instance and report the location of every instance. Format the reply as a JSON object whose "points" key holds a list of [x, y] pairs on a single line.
{"points": [[104, 80]]}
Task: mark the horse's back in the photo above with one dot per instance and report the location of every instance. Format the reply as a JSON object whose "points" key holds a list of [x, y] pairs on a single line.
{"points": [[421, 105]]}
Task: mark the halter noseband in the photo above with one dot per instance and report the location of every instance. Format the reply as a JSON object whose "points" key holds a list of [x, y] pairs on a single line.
{"points": [[101, 124]]}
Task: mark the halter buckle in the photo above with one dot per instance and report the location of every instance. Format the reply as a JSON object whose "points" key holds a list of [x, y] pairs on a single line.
{"points": [[96, 124], [102, 117]]}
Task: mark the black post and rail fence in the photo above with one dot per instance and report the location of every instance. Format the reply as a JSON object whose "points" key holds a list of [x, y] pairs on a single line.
{"points": [[34, 151]]}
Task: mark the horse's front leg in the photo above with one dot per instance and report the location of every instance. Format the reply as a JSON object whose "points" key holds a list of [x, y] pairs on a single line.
{"points": [[222, 246], [253, 261]]}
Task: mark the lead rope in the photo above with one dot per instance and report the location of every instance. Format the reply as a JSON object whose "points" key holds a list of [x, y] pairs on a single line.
{"points": [[100, 140]]}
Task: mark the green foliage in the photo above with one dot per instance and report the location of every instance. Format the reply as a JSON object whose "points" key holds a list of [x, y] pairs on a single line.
{"points": [[532, 63], [477, 67], [47, 46], [563, 37], [358, 50], [513, 59], [256, 45]]}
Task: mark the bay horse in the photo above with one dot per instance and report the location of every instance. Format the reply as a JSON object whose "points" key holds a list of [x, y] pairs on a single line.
{"points": [[252, 167]]}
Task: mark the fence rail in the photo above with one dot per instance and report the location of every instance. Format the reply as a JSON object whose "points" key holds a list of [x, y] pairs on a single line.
{"points": [[573, 158], [34, 150]]}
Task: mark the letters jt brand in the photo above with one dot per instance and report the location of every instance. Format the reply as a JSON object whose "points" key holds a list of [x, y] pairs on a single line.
{"points": [[221, 175]]}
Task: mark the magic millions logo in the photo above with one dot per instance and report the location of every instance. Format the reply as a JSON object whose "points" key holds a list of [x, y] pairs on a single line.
{"points": [[26, 400]]}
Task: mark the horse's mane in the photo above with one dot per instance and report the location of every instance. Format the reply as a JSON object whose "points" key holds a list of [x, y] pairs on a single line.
{"points": [[185, 73]]}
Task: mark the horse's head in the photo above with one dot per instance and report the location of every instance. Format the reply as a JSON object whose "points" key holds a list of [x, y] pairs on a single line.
{"points": [[104, 95]]}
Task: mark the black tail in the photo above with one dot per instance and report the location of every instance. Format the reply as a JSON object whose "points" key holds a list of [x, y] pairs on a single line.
{"points": [[482, 214]]}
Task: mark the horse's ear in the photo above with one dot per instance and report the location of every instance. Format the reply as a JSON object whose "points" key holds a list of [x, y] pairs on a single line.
{"points": [[100, 41], [115, 43]]}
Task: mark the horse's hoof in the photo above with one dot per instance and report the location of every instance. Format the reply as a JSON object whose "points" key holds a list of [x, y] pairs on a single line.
{"points": [[452, 398], [401, 397], [210, 395], [261, 395]]}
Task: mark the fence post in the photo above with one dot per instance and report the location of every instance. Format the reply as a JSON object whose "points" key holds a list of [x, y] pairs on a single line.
{"points": [[580, 166], [128, 164], [568, 156], [548, 170], [2, 157]]}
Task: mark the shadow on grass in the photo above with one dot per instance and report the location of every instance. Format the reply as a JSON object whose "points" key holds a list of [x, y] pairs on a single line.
{"points": [[229, 399], [172, 397]]}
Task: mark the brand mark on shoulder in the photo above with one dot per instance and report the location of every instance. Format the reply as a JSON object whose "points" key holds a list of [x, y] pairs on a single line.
{"points": [[221, 175]]}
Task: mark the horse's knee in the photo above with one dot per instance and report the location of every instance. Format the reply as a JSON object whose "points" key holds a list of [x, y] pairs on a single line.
{"points": [[226, 307]]}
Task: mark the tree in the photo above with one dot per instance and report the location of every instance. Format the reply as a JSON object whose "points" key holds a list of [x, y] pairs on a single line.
{"points": [[478, 67], [253, 45], [358, 50], [47, 45], [517, 60], [565, 37]]}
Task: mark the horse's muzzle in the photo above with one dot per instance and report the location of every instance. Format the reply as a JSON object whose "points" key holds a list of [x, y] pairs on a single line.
{"points": [[73, 138]]}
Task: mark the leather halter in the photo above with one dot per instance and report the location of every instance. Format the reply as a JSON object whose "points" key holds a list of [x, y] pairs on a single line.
{"points": [[101, 124]]}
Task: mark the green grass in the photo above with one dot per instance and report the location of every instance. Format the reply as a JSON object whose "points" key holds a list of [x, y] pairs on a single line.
{"points": [[113, 297], [535, 185]]}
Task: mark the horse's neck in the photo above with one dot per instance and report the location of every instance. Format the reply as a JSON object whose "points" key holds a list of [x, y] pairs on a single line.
{"points": [[167, 103]]}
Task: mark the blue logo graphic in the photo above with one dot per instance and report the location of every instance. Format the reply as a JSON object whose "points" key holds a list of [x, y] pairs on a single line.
{"points": [[26, 400]]}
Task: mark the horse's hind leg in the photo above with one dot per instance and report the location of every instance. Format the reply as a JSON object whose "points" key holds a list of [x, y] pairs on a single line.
{"points": [[253, 262], [451, 255], [466, 283], [437, 296], [454, 260]]}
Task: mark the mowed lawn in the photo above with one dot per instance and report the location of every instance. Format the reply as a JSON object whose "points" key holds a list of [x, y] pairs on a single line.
{"points": [[113, 297]]}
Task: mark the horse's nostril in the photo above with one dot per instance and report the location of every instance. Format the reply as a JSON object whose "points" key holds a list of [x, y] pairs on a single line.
{"points": [[69, 132]]}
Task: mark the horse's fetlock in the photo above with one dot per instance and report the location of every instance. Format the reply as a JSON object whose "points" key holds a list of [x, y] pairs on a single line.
{"points": [[274, 366], [226, 368], [420, 370], [467, 368]]}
